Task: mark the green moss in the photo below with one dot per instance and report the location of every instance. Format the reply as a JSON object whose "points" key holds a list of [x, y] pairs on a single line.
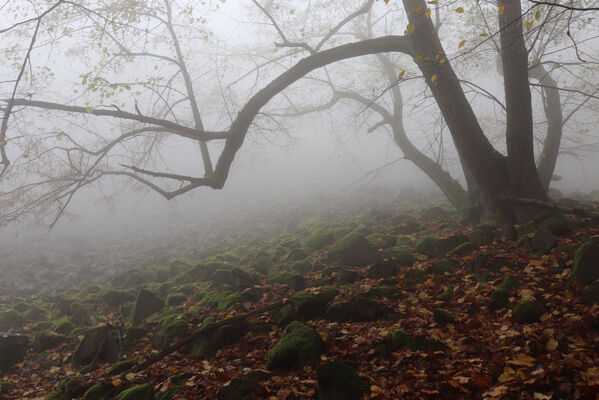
{"points": [[42, 326], [585, 269], [353, 250], [73, 386], [463, 249], [499, 299], [401, 339], [400, 254], [98, 391], [10, 319], [141, 392], [188, 289], [63, 326], [527, 312], [509, 283], [337, 380], [428, 245], [224, 302], [444, 265], [171, 326], [298, 345], [319, 238], [262, 263], [447, 293], [47, 340], [591, 294], [443, 317], [312, 305], [340, 311], [121, 366], [116, 298], [302, 266], [54, 395], [284, 315], [5, 388], [175, 299]]}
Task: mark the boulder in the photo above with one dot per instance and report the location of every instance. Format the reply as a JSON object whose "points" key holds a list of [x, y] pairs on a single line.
{"points": [[294, 281], [235, 277], [444, 265], [146, 304], [47, 340], [116, 298], [312, 305], [173, 325], [482, 235], [207, 346], [297, 254], [354, 250], [12, 350], [340, 311], [243, 387], [298, 345], [382, 269], [527, 312], [319, 238], [97, 341], [141, 392], [443, 317], [401, 339], [499, 299], [585, 269], [338, 381], [285, 315]]}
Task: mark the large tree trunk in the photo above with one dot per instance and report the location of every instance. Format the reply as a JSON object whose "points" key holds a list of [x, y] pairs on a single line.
{"points": [[553, 111], [496, 175], [451, 188]]}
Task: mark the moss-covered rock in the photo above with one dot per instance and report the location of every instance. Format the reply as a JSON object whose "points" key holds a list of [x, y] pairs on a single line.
{"points": [[12, 350], [401, 339], [346, 277], [591, 294], [302, 266], [73, 386], [116, 298], [121, 366], [141, 392], [499, 299], [444, 265], [244, 387], [262, 263], [131, 334], [353, 250], [285, 315], [428, 245], [175, 299], [294, 281], [297, 254], [99, 391], [463, 249], [312, 305], [234, 277], [400, 255], [340, 311], [10, 320], [585, 269], [208, 345], [447, 293], [443, 316], [171, 326], [146, 304], [510, 282], [527, 312], [5, 388], [54, 395], [299, 345], [382, 269], [337, 380], [47, 340], [319, 238], [97, 342]]}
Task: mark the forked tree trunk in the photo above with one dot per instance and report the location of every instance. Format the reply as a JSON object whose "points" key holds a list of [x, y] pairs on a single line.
{"points": [[497, 176]]}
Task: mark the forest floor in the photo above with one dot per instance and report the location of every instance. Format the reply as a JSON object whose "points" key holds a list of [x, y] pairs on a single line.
{"points": [[418, 303]]}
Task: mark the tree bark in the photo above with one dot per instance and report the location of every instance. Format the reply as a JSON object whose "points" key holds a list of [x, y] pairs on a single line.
{"points": [[553, 110], [519, 131]]}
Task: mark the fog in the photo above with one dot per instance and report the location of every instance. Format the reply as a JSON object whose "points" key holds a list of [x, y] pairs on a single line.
{"points": [[316, 160]]}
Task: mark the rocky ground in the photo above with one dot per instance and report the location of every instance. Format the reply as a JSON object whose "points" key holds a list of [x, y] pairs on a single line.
{"points": [[391, 302]]}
